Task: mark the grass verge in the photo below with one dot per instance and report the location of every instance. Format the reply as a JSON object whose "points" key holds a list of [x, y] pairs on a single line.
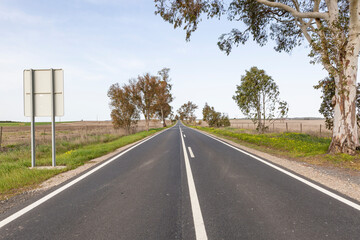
{"points": [[15, 175], [296, 146]]}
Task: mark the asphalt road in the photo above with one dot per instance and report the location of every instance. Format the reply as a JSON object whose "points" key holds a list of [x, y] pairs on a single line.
{"points": [[159, 191]]}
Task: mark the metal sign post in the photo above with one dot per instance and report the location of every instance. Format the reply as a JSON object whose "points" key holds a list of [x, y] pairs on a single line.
{"points": [[53, 149], [43, 97], [32, 99]]}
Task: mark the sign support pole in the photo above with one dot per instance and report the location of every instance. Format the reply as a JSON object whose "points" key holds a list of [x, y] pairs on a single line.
{"points": [[53, 119], [32, 99]]}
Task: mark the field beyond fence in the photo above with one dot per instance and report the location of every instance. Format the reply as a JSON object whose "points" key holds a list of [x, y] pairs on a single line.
{"points": [[313, 127], [12, 134]]}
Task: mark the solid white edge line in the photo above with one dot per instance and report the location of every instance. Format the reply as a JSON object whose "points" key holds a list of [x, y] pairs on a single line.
{"points": [[59, 190], [199, 224], [191, 152], [321, 189]]}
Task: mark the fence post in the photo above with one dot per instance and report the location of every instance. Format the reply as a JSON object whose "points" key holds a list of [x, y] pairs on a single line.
{"points": [[300, 127], [320, 129], [273, 127], [286, 127], [1, 129]]}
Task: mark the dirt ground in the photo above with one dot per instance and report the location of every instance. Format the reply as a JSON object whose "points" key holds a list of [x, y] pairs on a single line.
{"points": [[64, 131]]}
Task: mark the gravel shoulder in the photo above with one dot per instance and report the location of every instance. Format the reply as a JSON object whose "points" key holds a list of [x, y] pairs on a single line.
{"points": [[344, 181]]}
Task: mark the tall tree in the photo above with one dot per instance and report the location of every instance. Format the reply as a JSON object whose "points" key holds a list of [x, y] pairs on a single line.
{"points": [[258, 98], [331, 28], [186, 111], [144, 94], [164, 96], [124, 113]]}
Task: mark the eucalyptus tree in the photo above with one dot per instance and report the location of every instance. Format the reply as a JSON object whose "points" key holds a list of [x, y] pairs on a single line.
{"points": [[163, 95], [327, 87], [330, 27], [124, 113], [144, 91], [186, 111], [258, 98]]}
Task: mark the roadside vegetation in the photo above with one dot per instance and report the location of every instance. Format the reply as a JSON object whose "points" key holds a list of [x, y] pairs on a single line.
{"points": [[15, 175], [296, 146], [214, 118]]}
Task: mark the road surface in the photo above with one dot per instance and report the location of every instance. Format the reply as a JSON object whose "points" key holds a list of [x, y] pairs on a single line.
{"points": [[183, 184]]}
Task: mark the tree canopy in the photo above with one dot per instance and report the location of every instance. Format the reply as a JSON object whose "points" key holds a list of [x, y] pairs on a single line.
{"points": [[124, 113], [187, 111], [258, 98], [148, 94]]}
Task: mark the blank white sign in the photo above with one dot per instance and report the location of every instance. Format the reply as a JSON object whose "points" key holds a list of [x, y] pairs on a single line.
{"points": [[42, 91]]}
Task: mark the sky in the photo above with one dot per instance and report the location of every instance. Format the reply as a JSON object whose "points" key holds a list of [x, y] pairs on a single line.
{"points": [[102, 42]]}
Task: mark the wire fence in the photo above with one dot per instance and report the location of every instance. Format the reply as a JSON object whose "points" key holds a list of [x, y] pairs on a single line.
{"points": [[313, 127]]}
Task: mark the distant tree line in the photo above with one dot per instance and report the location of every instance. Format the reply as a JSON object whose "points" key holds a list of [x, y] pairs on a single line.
{"points": [[147, 94], [187, 112]]}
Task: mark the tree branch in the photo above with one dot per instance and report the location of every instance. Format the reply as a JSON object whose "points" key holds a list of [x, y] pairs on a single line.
{"points": [[304, 28], [293, 11]]}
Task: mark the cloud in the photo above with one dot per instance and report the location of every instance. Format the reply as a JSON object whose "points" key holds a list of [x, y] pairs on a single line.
{"points": [[19, 17]]}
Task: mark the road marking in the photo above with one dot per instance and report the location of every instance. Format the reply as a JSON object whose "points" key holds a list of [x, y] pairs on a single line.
{"points": [[321, 189], [59, 190], [191, 153], [184, 136], [199, 225]]}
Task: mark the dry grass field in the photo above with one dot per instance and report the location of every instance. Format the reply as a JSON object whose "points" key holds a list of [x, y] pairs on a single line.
{"points": [[313, 127], [20, 134]]}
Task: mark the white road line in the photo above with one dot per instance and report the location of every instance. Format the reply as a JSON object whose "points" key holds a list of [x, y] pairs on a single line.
{"points": [[199, 225], [321, 189], [191, 153], [59, 190], [184, 136]]}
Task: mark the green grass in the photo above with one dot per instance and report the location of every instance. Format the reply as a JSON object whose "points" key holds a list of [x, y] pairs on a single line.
{"points": [[297, 146], [15, 174]]}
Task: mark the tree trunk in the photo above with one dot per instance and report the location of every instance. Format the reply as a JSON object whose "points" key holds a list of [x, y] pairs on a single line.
{"points": [[264, 116], [147, 121], [259, 126], [345, 132], [162, 117]]}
